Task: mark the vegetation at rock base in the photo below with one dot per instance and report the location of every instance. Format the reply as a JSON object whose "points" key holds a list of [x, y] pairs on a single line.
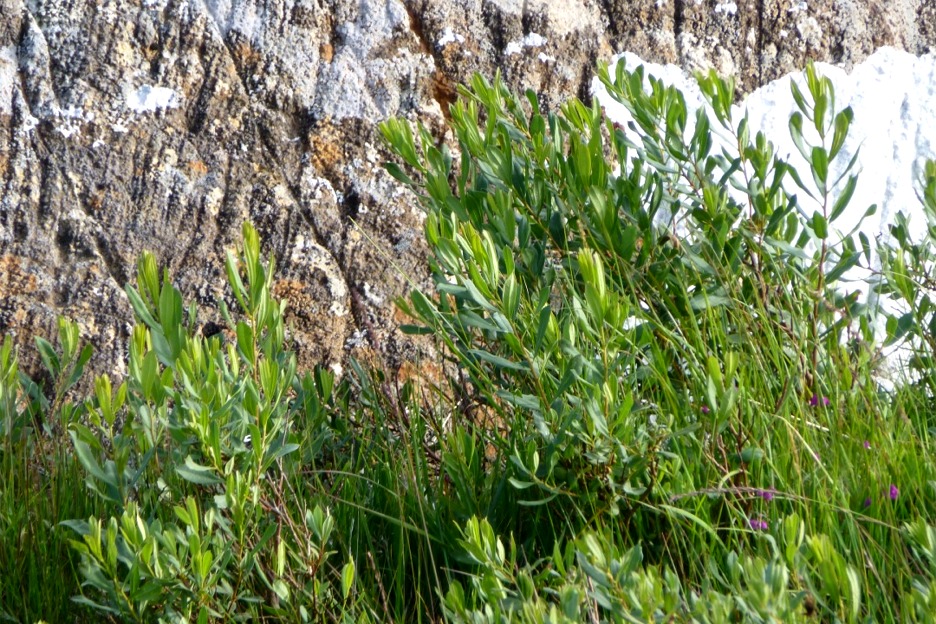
{"points": [[656, 403]]}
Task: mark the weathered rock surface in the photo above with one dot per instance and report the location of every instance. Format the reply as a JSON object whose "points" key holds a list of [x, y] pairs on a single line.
{"points": [[128, 125]]}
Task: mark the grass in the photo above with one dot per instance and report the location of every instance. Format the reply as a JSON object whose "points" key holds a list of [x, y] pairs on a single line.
{"points": [[629, 425], [38, 489]]}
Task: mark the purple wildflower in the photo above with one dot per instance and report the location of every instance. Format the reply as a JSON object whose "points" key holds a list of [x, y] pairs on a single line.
{"points": [[767, 495], [757, 525], [867, 444], [814, 401], [705, 409], [894, 492], [867, 502]]}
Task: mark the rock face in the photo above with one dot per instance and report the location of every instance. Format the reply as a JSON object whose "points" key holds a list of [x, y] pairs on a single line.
{"points": [[131, 125]]}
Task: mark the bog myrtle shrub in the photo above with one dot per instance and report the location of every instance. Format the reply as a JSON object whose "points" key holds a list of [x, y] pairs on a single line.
{"points": [[196, 455], [598, 332], [645, 336]]}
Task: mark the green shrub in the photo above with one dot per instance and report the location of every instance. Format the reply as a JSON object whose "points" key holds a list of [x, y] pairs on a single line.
{"points": [[666, 360], [655, 404], [198, 453]]}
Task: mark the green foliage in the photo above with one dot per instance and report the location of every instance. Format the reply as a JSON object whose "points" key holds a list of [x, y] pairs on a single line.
{"points": [[202, 463], [38, 480], [664, 354], [655, 402], [907, 276]]}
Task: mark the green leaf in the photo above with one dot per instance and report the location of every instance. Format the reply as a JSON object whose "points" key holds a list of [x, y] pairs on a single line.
{"points": [[87, 458], [234, 279], [281, 589], [139, 307], [424, 307], [844, 197], [676, 511], [796, 133], [95, 606], [793, 173], [170, 307], [347, 579], [397, 172], [865, 246], [820, 168], [751, 454], [820, 225], [497, 360], [704, 302], [78, 369], [245, 342], [524, 401], [819, 111], [49, 358], [196, 473], [511, 296], [416, 330], [842, 121], [81, 527], [898, 327], [786, 247], [538, 503], [847, 261], [472, 319], [278, 451]]}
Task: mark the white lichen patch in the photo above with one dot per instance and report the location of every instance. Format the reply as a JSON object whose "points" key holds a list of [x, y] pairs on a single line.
{"points": [[728, 8], [70, 120], [356, 340], [7, 78], [282, 196], [213, 200], [449, 36], [532, 40], [120, 126], [151, 99], [810, 31], [797, 5], [511, 7], [372, 295]]}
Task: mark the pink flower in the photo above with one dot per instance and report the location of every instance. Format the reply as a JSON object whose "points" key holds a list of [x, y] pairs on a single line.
{"points": [[814, 401], [894, 492]]}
